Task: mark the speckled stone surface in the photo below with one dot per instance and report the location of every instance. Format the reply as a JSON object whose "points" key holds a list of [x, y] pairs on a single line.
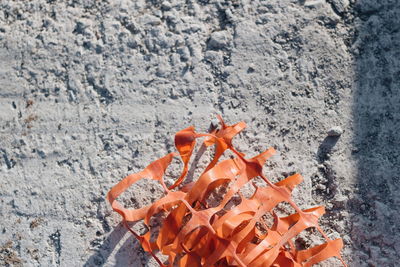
{"points": [[91, 91]]}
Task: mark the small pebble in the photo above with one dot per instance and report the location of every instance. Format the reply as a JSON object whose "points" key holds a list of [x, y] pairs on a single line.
{"points": [[335, 131], [218, 40], [315, 3], [151, 20], [162, 72], [235, 103], [340, 5], [251, 69], [166, 5], [215, 123]]}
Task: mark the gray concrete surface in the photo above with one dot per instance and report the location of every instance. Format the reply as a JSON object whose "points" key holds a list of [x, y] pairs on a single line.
{"points": [[91, 91]]}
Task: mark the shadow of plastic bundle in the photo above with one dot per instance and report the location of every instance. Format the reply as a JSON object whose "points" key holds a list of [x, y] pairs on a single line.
{"points": [[194, 234]]}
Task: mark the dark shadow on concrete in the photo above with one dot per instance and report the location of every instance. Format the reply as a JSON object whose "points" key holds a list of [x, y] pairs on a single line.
{"points": [[107, 247], [198, 155], [129, 254], [193, 167], [375, 208], [326, 147]]}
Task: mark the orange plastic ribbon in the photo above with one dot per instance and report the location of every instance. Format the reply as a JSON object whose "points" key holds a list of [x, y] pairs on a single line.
{"points": [[222, 236]]}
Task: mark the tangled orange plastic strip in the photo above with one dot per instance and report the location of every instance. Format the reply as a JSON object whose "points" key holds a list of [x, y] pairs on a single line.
{"points": [[194, 234]]}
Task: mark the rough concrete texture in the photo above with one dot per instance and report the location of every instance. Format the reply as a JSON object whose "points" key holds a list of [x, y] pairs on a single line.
{"points": [[91, 91]]}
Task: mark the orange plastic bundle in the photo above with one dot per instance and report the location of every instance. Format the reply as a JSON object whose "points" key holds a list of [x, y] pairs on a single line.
{"points": [[194, 234]]}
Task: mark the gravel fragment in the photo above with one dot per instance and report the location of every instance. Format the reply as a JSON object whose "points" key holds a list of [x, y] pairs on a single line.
{"points": [[335, 131], [218, 40], [166, 5], [340, 5]]}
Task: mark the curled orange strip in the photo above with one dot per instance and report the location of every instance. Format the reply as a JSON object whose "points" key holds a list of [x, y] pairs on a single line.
{"points": [[194, 234]]}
